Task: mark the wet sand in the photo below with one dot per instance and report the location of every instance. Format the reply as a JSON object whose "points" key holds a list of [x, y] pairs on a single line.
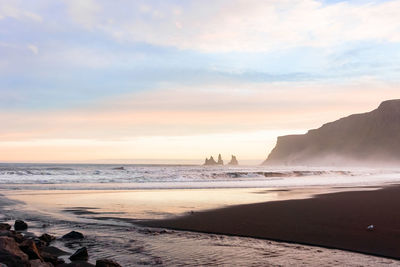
{"points": [[151, 204], [116, 213], [335, 220]]}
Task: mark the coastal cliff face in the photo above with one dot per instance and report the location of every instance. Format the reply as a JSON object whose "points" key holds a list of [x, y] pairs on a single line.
{"points": [[372, 137]]}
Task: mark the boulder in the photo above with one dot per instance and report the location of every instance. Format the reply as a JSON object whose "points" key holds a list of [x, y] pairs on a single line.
{"points": [[80, 255], [39, 263], [28, 246], [50, 250], [47, 238], [51, 254], [47, 257], [20, 225], [40, 243], [77, 264], [107, 263], [5, 226], [11, 260], [9, 246], [73, 235], [16, 236]]}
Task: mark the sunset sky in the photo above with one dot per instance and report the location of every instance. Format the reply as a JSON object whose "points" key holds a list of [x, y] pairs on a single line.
{"points": [[87, 80]]}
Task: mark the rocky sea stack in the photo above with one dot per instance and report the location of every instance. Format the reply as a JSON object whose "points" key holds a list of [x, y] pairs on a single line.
{"points": [[370, 138], [233, 161], [211, 161]]}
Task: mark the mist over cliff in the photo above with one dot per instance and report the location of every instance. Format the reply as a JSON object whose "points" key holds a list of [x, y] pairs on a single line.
{"points": [[367, 138]]}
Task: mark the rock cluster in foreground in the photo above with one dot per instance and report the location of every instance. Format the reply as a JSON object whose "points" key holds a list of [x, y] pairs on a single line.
{"points": [[17, 249]]}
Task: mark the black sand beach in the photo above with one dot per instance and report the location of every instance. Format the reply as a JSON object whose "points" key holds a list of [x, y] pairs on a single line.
{"points": [[337, 220]]}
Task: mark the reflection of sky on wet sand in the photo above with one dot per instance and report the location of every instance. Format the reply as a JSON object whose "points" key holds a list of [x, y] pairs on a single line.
{"points": [[152, 204]]}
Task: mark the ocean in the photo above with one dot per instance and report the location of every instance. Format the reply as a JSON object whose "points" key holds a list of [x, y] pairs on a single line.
{"points": [[104, 176], [105, 202]]}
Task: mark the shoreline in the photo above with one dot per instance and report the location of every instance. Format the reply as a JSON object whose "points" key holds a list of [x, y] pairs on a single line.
{"points": [[332, 220], [152, 246], [145, 204]]}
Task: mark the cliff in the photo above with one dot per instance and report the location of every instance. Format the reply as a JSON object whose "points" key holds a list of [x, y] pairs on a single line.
{"points": [[370, 137]]}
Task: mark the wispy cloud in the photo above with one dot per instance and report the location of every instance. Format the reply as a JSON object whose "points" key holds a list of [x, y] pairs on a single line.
{"points": [[15, 10], [239, 25], [33, 48]]}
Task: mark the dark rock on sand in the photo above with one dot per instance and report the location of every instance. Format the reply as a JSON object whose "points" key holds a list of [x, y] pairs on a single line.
{"points": [[51, 254], [5, 226], [77, 264], [39, 263], [20, 225], [107, 263], [11, 260], [56, 252], [47, 238], [21, 250], [40, 243], [28, 246], [10, 233], [52, 258], [9, 246], [73, 235], [80, 255]]}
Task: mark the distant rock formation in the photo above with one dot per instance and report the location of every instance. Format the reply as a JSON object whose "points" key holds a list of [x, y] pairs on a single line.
{"points": [[372, 137], [220, 161], [233, 161], [210, 161]]}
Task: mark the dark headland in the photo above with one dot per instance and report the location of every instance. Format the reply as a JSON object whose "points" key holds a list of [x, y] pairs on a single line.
{"points": [[372, 138]]}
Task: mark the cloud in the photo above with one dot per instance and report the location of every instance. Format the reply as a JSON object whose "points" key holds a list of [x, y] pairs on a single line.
{"points": [[243, 25], [14, 9], [86, 13], [33, 48], [218, 108]]}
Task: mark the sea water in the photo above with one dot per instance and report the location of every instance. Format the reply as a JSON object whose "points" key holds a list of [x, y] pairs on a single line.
{"points": [[102, 176], [65, 197]]}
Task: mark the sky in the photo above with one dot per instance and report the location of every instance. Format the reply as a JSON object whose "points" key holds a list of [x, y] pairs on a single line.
{"points": [[151, 80]]}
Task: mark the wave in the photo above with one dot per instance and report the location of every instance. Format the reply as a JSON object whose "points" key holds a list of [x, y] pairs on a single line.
{"points": [[216, 176], [286, 174]]}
